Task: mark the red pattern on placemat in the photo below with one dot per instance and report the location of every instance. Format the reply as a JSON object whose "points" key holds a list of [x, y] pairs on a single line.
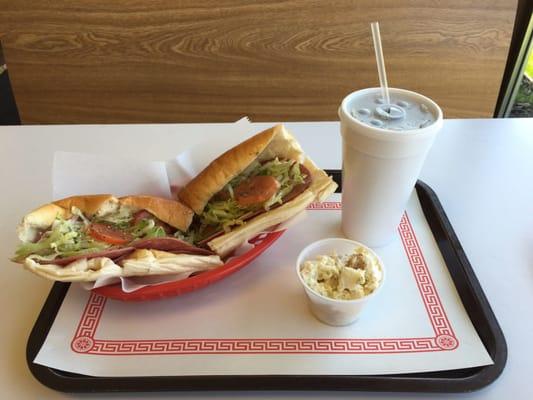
{"points": [[325, 205], [443, 340]]}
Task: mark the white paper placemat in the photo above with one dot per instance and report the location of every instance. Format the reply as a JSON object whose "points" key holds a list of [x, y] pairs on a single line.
{"points": [[256, 321]]}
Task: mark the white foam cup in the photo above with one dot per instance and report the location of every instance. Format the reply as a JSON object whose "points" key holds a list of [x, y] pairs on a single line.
{"points": [[380, 168]]}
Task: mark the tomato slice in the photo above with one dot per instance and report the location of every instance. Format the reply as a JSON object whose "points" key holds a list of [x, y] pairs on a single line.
{"points": [[105, 233], [256, 190]]}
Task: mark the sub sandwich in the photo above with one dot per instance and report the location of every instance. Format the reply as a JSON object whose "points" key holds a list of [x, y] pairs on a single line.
{"points": [[82, 238], [252, 187]]}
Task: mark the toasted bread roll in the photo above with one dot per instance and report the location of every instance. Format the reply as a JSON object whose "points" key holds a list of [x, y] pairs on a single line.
{"points": [[135, 262], [43, 217], [90, 205], [172, 212], [197, 193], [269, 144]]}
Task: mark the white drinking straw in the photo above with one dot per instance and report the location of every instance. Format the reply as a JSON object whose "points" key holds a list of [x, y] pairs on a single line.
{"points": [[380, 62]]}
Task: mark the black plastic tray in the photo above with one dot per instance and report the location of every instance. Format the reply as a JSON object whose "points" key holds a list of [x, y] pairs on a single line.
{"points": [[462, 380]]}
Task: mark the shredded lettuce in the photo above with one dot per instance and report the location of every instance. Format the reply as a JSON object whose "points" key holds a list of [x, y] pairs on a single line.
{"points": [[223, 213], [120, 219], [76, 211], [66, 238], [227, 213], [248, 171], [287, 173], [189, 237], [146, 228]]}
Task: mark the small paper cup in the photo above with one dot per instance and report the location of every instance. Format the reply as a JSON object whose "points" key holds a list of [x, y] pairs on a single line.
{"points": [[327, 310]]}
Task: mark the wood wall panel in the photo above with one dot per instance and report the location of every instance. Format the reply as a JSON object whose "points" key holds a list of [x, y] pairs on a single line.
{"points": [[74, 61]]}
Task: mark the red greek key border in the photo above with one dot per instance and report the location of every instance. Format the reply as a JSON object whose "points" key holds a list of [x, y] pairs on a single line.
{"points": [[444, 338], [325, 205]]}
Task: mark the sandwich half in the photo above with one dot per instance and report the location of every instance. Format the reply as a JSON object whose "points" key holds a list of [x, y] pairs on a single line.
{"points": [[254, 186], [83, 238]]}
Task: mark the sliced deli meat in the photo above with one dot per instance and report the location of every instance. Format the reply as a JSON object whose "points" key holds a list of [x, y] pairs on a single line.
{"points": [[169, 244]]}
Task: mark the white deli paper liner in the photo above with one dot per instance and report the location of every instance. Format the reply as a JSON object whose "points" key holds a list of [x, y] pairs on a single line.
{"points": [[81, 173]]}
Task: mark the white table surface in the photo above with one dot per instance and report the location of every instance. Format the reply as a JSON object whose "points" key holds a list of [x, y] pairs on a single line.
{"points": [[482, 171]]}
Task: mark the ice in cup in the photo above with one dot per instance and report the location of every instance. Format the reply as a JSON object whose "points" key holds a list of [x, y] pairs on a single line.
{"points": [[348, 276], [384, 148]]}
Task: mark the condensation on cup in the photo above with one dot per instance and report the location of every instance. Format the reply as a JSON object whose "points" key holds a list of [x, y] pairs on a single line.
{"points": [[384, 148]]}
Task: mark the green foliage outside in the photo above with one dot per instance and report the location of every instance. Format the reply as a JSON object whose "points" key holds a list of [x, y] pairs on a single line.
{"points": [[525, 92], [523, 96], [529, 66]]}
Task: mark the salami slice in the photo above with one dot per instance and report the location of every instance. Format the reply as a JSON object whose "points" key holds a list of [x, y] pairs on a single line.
{"points": [[170, 244], [113, 254]]}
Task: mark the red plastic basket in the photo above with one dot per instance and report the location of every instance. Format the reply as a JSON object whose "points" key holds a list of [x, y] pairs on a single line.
{"points": [[176, 288]]}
